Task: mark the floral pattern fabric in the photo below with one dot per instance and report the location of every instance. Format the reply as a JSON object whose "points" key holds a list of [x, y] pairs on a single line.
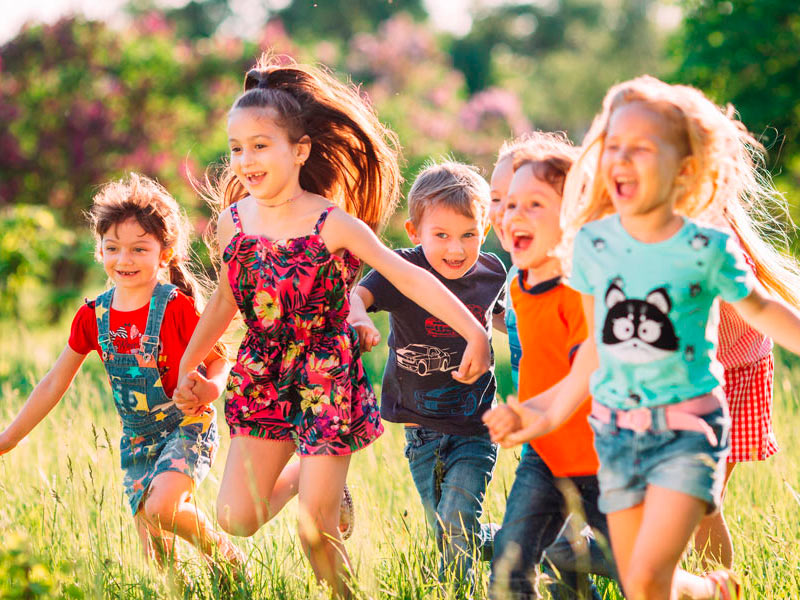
{"points": [[298, 376]]}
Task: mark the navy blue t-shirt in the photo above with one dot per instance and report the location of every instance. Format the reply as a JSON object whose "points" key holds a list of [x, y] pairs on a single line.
{"points": [[418, 386]]}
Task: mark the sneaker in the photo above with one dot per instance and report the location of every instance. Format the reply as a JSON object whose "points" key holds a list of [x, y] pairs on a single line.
{"points": [[347, 516], [727, 586]]}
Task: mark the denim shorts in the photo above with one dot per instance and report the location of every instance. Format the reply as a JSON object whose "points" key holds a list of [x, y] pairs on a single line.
{"points": [[679, 460]]}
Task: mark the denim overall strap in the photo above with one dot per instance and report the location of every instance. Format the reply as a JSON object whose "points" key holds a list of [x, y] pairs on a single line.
{"points": [[102, 308], [155, 316]]}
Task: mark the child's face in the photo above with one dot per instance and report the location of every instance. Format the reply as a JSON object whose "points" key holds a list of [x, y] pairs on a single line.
{"points": [[640, 161], [132, 257], [451, 241], [263, 158], [501, 178], [531, 221]]}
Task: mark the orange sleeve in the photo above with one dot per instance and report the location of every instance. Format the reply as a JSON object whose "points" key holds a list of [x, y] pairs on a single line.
{"points": [[574, 321]]}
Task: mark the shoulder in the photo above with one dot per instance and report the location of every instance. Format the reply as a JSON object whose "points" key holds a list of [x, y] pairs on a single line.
{"points": [[178, 301], [493, 264], [703, 235], [594, 229]]}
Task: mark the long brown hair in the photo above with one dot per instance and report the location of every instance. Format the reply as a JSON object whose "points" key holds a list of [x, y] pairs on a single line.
{"points": [[730, 187], [354, 158], [139, 198]]}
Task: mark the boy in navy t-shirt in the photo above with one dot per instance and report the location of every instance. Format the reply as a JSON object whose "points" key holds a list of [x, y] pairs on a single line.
{"points": [[447, 445]]}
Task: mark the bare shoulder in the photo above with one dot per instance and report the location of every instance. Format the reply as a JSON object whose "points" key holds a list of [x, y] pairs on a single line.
{"points": [[225, 227]]}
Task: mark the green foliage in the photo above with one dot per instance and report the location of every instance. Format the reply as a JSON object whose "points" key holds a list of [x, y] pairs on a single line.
{"points": [[745, 52], [42, 263], [25, 576]]}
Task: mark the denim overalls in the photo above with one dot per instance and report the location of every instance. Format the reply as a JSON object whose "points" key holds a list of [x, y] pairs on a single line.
{"points": [[156, 435]]}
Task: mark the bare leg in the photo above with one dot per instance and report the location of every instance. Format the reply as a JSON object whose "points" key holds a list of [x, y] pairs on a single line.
{"points": [[255, 485], [713, 538], [657, 543], [322, 481], [157, 545], [169, 508]]}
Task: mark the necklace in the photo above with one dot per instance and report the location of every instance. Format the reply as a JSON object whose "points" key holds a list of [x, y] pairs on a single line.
{"points": [[292, 199]]}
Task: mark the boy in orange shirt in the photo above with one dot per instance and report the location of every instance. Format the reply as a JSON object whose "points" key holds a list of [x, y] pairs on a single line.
{"points": [[562, 468]]}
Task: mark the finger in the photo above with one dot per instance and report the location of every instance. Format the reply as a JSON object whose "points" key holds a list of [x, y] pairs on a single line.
{"points": [[523, 435]]}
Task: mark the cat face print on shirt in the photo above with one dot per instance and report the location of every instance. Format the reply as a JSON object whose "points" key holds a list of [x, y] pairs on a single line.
{"points": [[638, 331]]}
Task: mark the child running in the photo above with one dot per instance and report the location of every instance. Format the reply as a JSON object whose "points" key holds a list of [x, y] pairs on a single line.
{"points": [[140, 328], [312, 173], [651, 277], [449, 452], [559, 470]]}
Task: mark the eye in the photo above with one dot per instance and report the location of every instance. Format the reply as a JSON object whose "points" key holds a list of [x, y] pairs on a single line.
{"points": [[236, 149], [496, 200], [260, 146], [441, 235], [649, 331], [469, 234], [536, 204], [111, 248], [612, 147], [511, 205], [623, 329]]}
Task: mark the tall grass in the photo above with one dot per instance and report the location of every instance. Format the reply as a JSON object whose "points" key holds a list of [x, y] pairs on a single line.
{"points": [[62, 505]]}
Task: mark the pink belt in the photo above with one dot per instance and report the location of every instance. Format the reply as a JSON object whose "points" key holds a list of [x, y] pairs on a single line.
{"points": [[682, 415]]}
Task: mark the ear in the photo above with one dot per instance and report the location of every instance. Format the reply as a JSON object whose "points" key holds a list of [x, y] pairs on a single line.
{"points": [[614, 295], [411, 230], [687, 170], [660, 299], [302, 150], [486, 229], [166, 256]]}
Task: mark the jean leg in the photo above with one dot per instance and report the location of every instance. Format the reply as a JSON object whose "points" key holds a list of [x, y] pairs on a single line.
{"points": [[534, 516], [467, 467], [422, 450]]}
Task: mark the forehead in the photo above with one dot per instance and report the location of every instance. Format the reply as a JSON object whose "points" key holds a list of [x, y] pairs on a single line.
{"points": [[525, 183], [640, 119], [501, 176], [443, 217], [252, 121], [129, 230]]}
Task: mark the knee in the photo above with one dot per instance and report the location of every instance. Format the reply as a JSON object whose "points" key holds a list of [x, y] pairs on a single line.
{"points": [[316, 523], [645, 581], [237, 520], [159, 510]]}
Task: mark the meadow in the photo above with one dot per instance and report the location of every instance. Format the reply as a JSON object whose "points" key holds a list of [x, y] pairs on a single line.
{"points": [[66, 531]]}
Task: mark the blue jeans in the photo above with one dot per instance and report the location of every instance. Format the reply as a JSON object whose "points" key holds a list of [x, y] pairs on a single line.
{"points": [[536, 511], [451, 473]]}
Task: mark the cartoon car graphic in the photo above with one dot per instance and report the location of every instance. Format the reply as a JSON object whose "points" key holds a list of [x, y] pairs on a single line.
{"points": [[422, 359], [454, 400], [437, 328]]}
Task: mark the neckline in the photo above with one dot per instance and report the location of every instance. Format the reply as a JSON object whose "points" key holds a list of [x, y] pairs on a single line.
{"points": [[671, 239], [538, 288]]}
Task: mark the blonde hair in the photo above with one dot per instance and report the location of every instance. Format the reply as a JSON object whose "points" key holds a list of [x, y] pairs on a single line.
{"points": [[452, 184], [141, 199], [730, 184], [550, 155]]}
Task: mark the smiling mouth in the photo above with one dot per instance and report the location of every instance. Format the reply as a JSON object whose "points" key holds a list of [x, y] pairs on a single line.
{"points": [[126, 273], [454, 264], [625, 187], [254, 178], [521, 241]]}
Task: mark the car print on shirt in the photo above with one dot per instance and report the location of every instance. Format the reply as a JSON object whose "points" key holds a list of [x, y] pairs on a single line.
{"points": [[449, 401], [437, 328], [424, 360]]}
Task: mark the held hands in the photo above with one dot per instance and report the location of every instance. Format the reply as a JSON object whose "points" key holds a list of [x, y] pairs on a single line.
{"points": [[475, 361], [368, 334], [513, 423], [194, 392]]}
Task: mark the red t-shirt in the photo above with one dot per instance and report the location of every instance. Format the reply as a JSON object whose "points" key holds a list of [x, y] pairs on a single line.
{"points": [[127, 327], [551, 327]]}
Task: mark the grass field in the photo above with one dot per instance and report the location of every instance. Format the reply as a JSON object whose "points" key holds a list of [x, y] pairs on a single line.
{"points": [[65, 530]]}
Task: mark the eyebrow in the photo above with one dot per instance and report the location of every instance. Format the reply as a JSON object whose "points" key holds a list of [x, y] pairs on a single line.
{"points": [[253, 137]]}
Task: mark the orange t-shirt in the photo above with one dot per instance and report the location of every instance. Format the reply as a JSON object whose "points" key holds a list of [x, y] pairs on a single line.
{"points": [[551, 327]]}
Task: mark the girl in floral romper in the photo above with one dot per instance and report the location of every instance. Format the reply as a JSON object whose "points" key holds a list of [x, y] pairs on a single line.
{"points": [[139, 328], [312, 174]]}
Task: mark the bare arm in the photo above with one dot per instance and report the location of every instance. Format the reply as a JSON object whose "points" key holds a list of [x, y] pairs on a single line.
{"points": [[343, 231], [360, 300], [771, 317], [218, 313], [47, 393]]}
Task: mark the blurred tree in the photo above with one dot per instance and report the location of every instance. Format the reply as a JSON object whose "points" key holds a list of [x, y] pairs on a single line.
{"points": [[746, 52], [194, 20]]}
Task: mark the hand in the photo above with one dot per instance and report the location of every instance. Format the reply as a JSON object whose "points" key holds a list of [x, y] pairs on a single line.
{"points": [[368, 334], [184, 396], [501, 421], [6, 443], [475, 361], [534, 423]]}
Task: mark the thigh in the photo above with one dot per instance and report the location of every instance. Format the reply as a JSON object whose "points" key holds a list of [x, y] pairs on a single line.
{"points": [[252, 467], [422, 453], [170, 487], [467, 467]]}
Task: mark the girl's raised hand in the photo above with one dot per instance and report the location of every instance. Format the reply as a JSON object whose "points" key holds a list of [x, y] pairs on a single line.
{"points": [[475, 361]]}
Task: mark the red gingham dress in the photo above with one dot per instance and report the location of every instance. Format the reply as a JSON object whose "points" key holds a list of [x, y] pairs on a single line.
{"points": [[746, 355]]}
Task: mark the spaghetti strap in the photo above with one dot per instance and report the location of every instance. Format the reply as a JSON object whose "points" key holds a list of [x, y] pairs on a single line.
{"points": [[321, 220], [235, 216]]}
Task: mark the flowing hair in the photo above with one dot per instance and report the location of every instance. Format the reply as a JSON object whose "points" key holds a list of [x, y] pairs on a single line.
{"points": [[141, 199], [730, 185], [353, 160]]}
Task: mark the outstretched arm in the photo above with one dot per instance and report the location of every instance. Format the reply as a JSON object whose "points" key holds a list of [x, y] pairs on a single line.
{"points": [[368, 335], [43, 398], [771, 317], [344, 231]]}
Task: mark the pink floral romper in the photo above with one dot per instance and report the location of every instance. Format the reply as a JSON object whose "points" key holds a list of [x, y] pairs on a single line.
{"points": [[298, 376]]}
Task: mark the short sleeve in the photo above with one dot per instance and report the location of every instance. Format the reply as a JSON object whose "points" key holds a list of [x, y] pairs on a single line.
{"points": [[83, 331], [385, 295], [733, 279], [581, 259], [182, 314], [501, 304], [571, 311]]}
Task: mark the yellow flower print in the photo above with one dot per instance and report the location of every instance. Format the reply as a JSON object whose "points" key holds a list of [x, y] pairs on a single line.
{"points": [[267, 307], [320, 365], [313, 398], [291, 352]]}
